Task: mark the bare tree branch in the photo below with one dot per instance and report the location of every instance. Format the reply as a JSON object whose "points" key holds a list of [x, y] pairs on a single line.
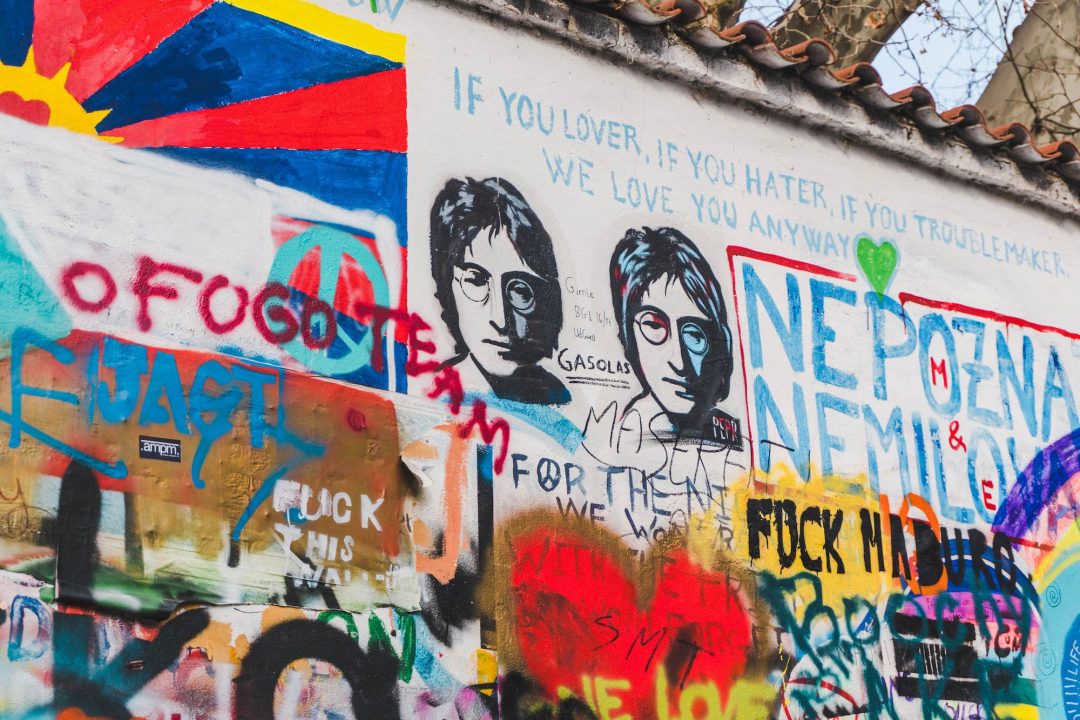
{"points": [[857, 29], [726, 11], [1037, 82]]}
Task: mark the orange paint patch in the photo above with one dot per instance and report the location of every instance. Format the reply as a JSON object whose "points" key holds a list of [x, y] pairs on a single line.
{"points": [[73, 713]]}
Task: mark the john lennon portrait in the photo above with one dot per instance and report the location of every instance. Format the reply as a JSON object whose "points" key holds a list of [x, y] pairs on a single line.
{"points": [[672, 322], [497, 280]]}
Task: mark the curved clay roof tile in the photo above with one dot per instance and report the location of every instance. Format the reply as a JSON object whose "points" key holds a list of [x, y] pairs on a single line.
{"points": [[813, 59]]}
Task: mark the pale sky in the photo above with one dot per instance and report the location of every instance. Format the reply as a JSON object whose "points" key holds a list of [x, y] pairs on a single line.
{"points": [[953, 56]]}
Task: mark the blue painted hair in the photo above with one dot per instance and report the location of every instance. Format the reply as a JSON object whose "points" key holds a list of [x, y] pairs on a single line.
{"points": [[648, 255]]}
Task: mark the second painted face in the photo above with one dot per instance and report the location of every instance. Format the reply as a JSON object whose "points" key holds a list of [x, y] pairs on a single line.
{"points": [[674, 341], [501, 305]]}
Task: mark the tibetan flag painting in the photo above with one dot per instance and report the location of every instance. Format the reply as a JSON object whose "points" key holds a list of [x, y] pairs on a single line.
{"points": [[278, 90]]}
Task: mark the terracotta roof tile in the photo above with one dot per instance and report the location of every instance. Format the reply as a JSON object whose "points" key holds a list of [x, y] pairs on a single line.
{"points": [[813, 61], [644, 12]]}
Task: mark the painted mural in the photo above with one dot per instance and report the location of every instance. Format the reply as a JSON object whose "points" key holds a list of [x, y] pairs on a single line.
{"points": [[355, 364]]}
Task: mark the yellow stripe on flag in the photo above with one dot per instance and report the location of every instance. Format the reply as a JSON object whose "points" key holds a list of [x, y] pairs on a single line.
{"points": [[329, 25]]}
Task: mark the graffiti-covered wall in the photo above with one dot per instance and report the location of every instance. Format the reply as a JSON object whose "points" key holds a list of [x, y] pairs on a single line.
{"points": [[391, 361]]}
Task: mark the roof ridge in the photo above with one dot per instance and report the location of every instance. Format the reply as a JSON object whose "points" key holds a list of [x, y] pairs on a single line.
{"points": [[813, 60]]}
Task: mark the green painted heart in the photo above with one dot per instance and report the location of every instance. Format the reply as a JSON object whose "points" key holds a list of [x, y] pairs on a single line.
{"points": [[878, 262]]}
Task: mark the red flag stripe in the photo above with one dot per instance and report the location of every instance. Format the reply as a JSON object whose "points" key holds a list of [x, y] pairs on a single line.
{"points": [[363, 113]]}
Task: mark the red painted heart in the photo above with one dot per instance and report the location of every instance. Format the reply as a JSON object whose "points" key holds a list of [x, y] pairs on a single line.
{"points": [[579, 609], [35, 111]]}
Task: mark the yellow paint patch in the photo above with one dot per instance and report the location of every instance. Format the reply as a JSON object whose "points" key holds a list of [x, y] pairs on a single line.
{"points": [[276, 614], [329, 25], [747, 700], [1010, 711], [608, 700], [487, 668], [64, 110], [847, 494], [217, 641]]}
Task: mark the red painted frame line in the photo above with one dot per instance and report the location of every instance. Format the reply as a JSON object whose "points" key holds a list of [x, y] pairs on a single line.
{"points": [[988, 314]]}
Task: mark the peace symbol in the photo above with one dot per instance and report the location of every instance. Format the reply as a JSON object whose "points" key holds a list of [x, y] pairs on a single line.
{"points": [[333, 245]]}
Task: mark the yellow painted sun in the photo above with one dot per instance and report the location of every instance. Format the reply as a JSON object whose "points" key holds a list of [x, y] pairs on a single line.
{"points": [[63, 109]]}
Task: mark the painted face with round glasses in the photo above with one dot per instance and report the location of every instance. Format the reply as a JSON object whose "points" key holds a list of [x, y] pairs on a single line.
{"points": [[673, 339], [496, 278], [503, 305], [673, 324]]}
